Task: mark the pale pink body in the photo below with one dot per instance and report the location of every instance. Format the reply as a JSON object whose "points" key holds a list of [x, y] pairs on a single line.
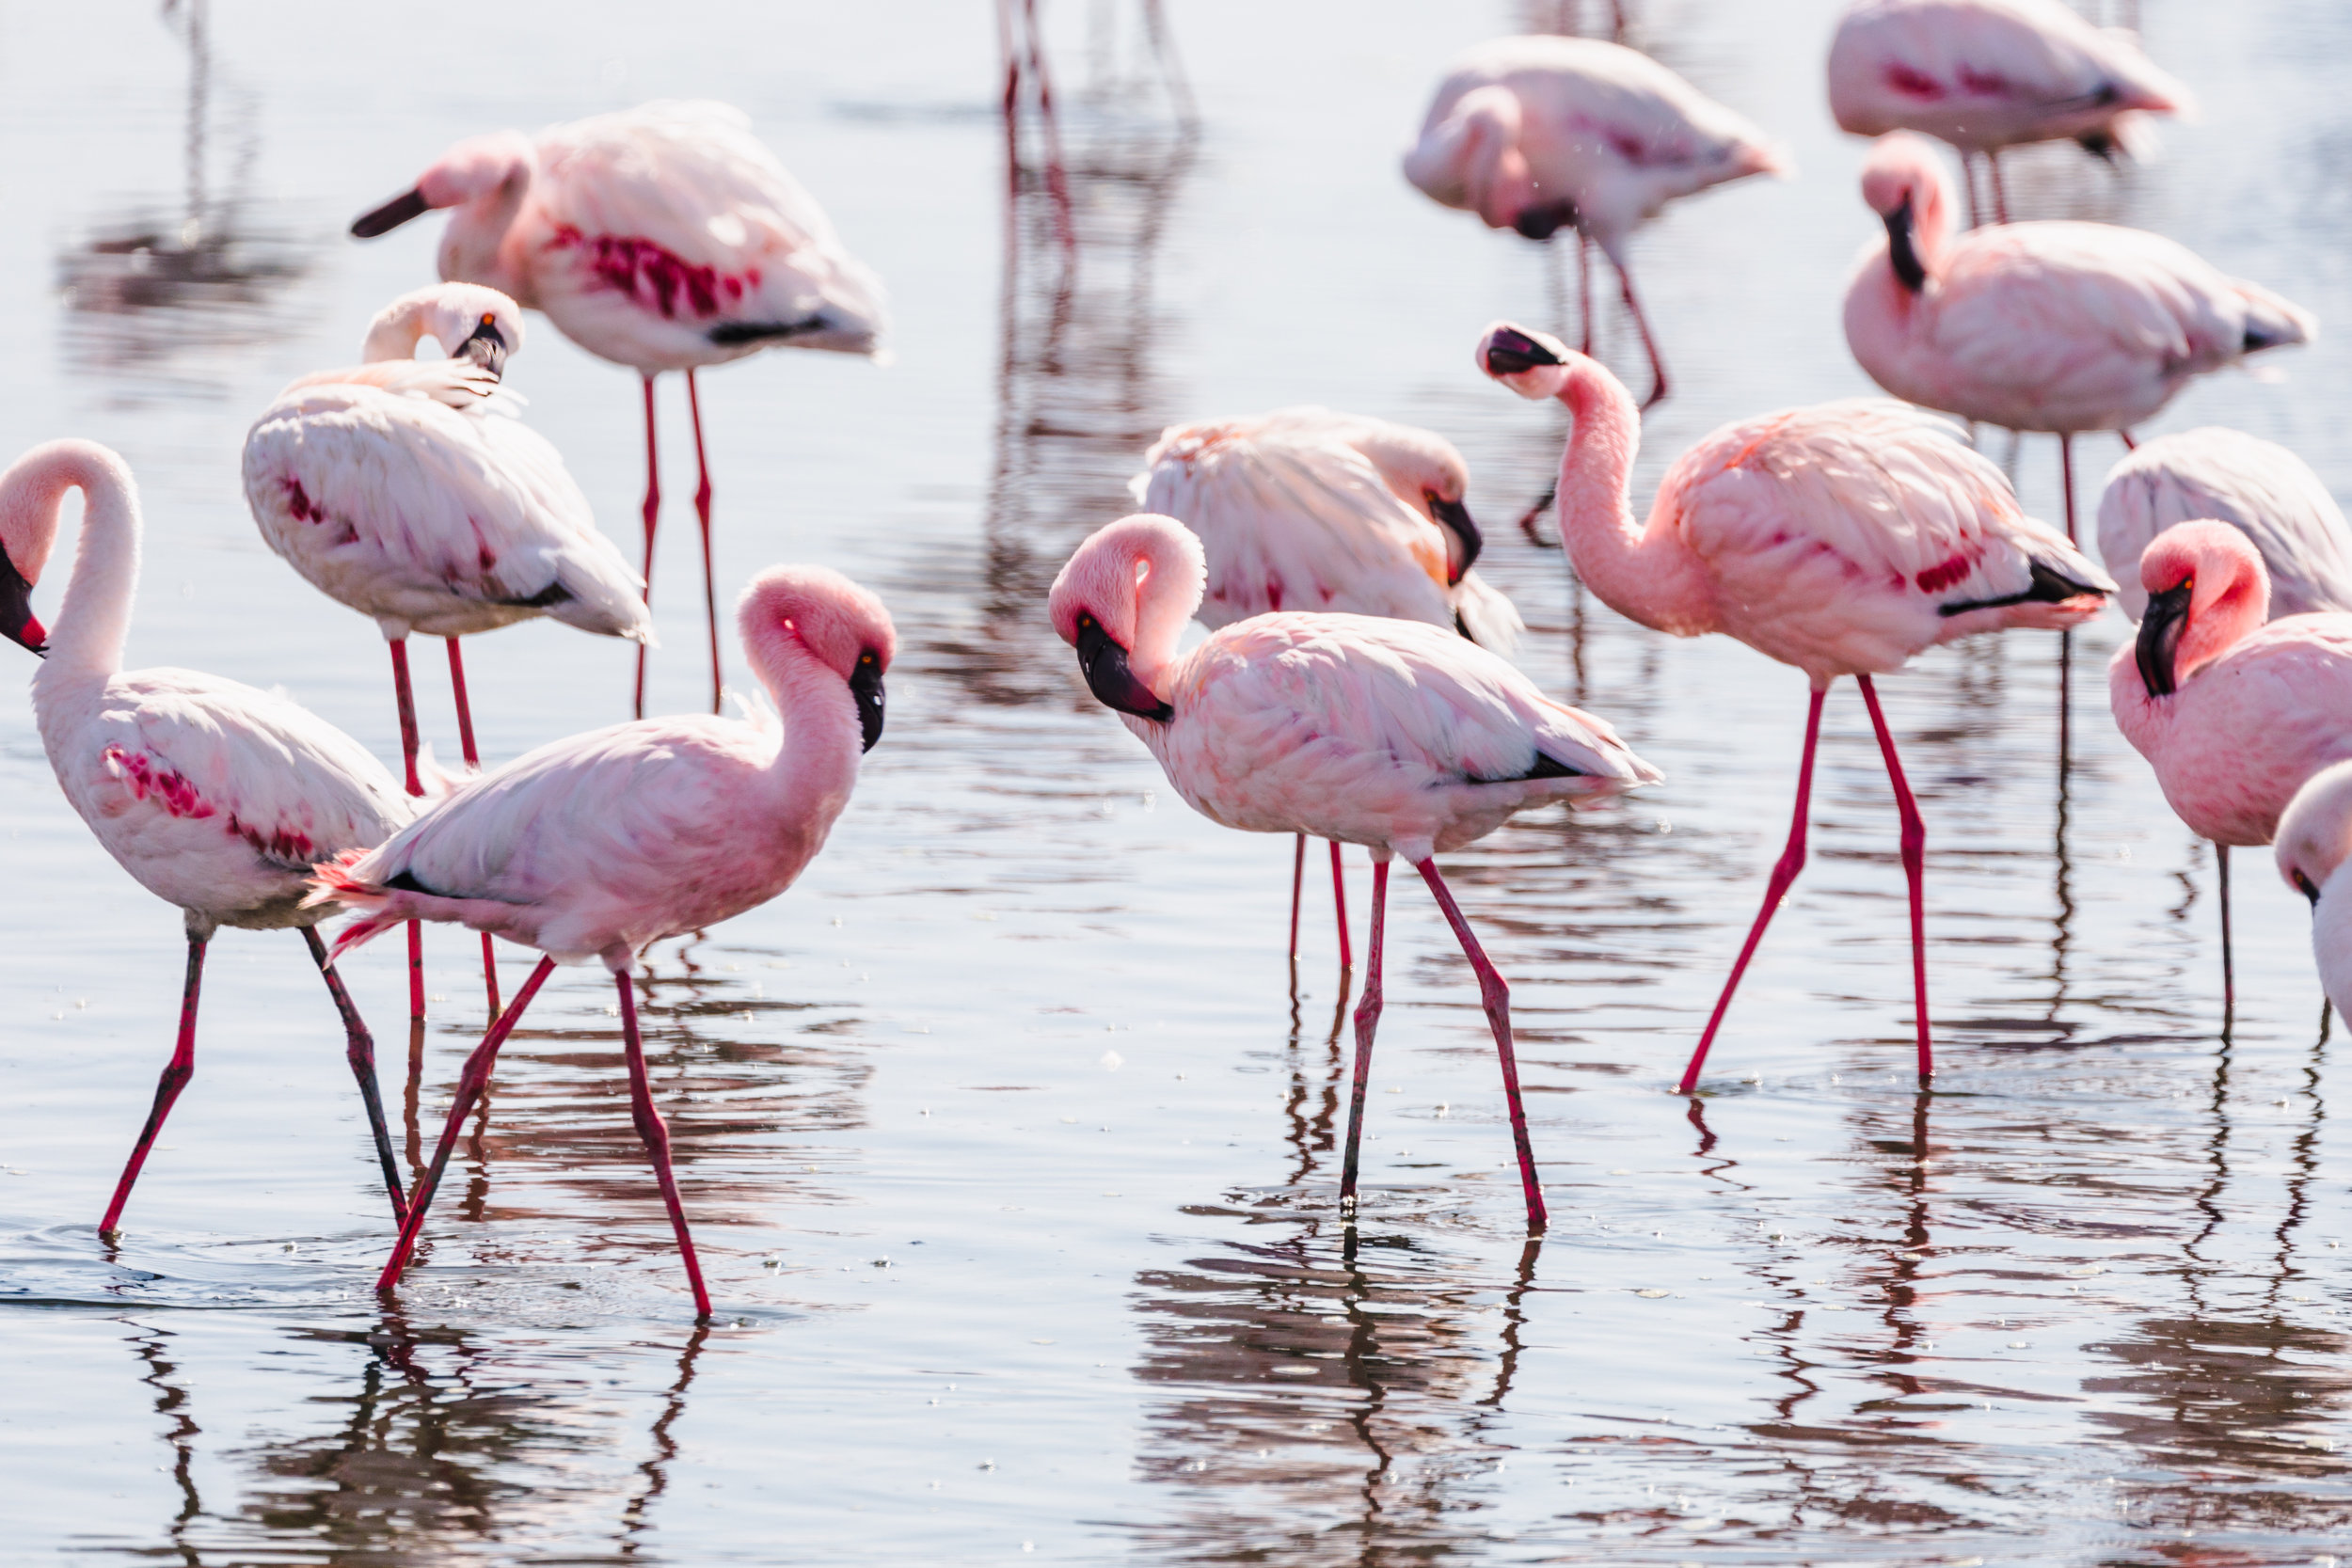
{"points": [[2314, 850], [2258, 708], [2258, 487], [2051, 327]]}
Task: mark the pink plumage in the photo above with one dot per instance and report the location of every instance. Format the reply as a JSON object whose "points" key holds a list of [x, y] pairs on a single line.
{"points": [[2258, 487]]}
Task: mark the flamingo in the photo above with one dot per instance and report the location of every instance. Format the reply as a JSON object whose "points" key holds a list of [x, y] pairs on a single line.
{"points": [[2315, 844], [211, 794], [665, 237], [1397, 735], [1538, 134], [1306, 509], [2232, 713], [601, 844], [2058, 326], [1842, 539], [408, 492], [1986, 74], [2258, 487]]}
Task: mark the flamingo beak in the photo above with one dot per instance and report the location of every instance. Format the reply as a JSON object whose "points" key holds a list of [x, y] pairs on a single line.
{"points": [[1900, 254], [865, 684], [1455, 519], [2160, 639], [16, 611], [1542, 223], [1511, 352], [1107, 676], [383, 220], [485, 348], [2308, 888]]}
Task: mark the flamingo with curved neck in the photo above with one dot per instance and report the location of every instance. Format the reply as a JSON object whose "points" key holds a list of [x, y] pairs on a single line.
{"points": [[2313, 851]]}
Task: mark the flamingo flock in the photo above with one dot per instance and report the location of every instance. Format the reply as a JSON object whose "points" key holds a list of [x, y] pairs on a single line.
{"points": [[1355, 682]]}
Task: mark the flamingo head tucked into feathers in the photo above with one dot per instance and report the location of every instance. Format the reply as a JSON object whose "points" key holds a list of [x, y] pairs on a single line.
{"points": [[1123, 600], [1425, 471], [2315, 836], [790, 614], [1904, 182], [466, 321], [2207, 588]]}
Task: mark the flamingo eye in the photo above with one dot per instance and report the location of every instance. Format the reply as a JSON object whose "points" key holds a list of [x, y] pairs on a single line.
{"points": [[488, 320]]}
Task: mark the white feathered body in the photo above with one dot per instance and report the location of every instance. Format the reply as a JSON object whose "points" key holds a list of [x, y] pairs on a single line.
{"points": [[2256, 486]]}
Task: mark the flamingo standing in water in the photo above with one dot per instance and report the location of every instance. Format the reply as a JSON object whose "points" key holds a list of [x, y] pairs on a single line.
{"points": [[1403, 737], [601, 844], [1842, 539], [1986, 74], [665, 237], [1306, 509], [2258, 487], [2232, 713], [2314, 846], [2057, 327], [1538, 133], [410, 492], [213, 795]]}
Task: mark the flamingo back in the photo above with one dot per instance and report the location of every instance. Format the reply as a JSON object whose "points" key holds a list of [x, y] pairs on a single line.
{"points": [[2258, 487]]}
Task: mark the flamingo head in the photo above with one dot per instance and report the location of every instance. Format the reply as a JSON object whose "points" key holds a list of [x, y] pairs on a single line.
{"points": [[468, 320], [2314, 835], [814, 612], [24, 552], [31, 492], [1905, 184], [1426, 472], [1471, 158], [1533, 364], [2207, 588], [1123, 600], [474, 169]]}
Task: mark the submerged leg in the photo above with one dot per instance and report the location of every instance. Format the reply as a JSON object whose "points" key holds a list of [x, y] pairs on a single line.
{"points": [[360, 1050], [702, 512], [1367, 1024], [652, 512], [651, 1128], [1650, 344], [1792, 862], [176, 1075], [1298, 886], [1914, 850], [473, 760], [1339, 903], [1495, 996]]}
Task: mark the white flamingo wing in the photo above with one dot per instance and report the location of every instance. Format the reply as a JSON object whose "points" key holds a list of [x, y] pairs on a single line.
{"points": [[2256, 486]]}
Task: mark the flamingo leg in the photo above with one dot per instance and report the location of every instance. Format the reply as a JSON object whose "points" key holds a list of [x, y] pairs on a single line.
{"points": [[2000, 193], [656, 1132], [175, 1077], [652, 516], [1298, 887], [2228, 961], [2130, 444], [1339, 903], [1584, 287], [2066, 479], [1784, 872], [1494, 994], [470, 1083], [1367, 1024], [360, 1050], [1968, 183], [473, 760], [406, 695], [701, 513], [1649, 344], [1914, 850]]}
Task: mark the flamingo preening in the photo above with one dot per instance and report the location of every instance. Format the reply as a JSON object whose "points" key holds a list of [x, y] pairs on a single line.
{"points": [[1401, 736], [214, 796], [665, 237], [2256, 486], [601, 844], [1843, 539], [1307, 509], [2315, 844]]}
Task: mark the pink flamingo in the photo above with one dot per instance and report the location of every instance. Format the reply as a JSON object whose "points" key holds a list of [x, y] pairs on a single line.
{"points": [[1986, 74], [1400, 736], [599, 846], [1842, 539], [2057, 327], [410, 492], [2258, 487], [1538, 133], [2232, 714], [665, 237], [213, 795], [1306, 509], [2315, 844]]}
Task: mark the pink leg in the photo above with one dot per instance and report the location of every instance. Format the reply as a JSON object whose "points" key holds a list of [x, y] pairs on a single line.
{"points": [[176, 1075], [473, 760], [1339, 903], [2000, 193], [470, 1084], [2066, 479], [1495, 997], [2129, 444], [1649, 344], [1914, 849], [652, 516], [406, 697], [1298, 886], [360, 1050], [702, 511], [651, 1128], [1792, 862], [1367, 1024]]}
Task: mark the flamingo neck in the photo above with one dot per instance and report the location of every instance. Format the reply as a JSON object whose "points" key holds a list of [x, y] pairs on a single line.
{"points": [[1167, 590], [1647, 575], [474, 245], [95, 617], [2226, 616], [394, 335], [816, 767]]}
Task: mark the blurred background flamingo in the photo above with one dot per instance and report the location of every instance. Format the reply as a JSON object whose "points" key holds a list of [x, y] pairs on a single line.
{"points": [[2256, 486]]}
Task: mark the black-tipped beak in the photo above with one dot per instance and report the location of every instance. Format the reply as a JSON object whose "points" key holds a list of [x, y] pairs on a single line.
{"points": [[2308, 888], [384, 219], [16, 611], [865, 684], [1107, 676], [2160, 639], [1455, 518], [1509, 351], [1900, 253], [485, 348]]}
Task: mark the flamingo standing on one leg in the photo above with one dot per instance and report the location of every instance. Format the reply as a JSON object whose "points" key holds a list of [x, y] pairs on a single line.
{"points": [[1538, 133], [1986, 74], [410, 492], [2232, 714], [1306, 509], [603, 843], [665, 237], [1400, 736], [1843, 539], [2314, 847], [2057, 327], [213, 795], [2258, 487]]}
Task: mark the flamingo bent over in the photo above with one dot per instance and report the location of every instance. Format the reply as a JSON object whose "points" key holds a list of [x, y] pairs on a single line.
{"points": [[211, 794], [2315, 844], [601, 844], [1403, 737], [1843, 539], [2258, 487], [665, 237]]}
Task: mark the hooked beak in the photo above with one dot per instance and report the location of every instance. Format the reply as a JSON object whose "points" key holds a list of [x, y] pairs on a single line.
{"points": [[487, 349], [2308, 888], [1509, 352], [16, 611], [865, 684], [383, 220], [1900, 254], [1455, 519], [2160, 639], [1107, 676]]}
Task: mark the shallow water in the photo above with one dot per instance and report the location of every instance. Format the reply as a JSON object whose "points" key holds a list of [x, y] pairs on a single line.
{"points": [[1011, 1153]]}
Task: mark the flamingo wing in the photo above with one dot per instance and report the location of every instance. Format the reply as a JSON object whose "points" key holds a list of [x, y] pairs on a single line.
{"points": [[1897, 63]]}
